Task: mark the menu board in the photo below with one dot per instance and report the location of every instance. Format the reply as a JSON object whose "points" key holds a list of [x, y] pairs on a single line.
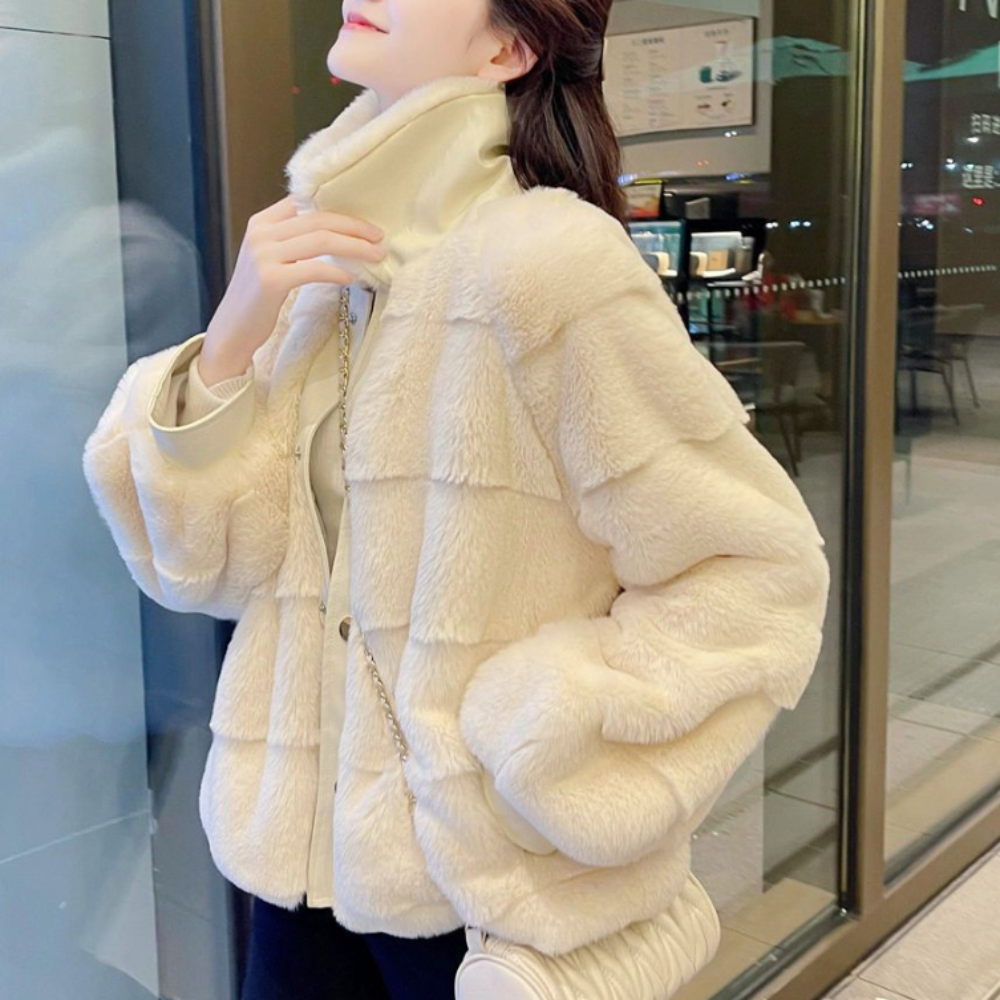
{"points": [[695, 77]]}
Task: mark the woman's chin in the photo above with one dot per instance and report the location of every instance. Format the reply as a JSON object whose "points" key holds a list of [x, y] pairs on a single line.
{"points": [[341, 68]]}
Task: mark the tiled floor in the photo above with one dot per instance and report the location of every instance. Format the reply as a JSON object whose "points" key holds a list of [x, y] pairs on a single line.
{"points": [[948, 951]]}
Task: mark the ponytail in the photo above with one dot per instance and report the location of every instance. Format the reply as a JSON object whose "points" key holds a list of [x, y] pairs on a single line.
{"points": [[561, 133]]}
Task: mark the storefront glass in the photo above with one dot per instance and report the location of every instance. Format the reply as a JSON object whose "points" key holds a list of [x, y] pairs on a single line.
{"points": [[944, 734]]}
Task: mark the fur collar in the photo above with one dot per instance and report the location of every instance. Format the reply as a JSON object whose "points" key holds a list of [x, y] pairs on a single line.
{"points": [[412, 169]]}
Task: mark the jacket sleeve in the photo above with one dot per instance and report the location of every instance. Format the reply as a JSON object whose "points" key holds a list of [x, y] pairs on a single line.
{"points": [[195, 424], [199, 513], [612, 734], [195, 400]]}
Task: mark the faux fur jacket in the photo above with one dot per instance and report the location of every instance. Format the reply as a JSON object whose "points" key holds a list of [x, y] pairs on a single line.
{"points": [[581, 576]]}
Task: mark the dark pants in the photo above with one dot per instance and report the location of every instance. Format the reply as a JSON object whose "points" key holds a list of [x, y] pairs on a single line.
{"points": [[304, 954]]}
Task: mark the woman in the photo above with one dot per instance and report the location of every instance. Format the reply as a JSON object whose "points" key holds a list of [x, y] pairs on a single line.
{"points": [[586, 586]]}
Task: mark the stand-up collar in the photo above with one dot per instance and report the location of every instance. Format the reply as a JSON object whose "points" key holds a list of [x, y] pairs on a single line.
{"points": [[413, 169]]}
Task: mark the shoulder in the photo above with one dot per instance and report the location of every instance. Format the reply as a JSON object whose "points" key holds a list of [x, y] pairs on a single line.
{"points": [[569, 292], [547, 257], [547, 212], [551, 231]]}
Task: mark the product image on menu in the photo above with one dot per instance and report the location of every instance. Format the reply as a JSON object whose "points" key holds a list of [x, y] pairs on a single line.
{"points": [[722, 69]]}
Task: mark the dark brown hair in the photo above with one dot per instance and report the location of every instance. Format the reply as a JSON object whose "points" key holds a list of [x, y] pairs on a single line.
{"points": [[561, 133]]}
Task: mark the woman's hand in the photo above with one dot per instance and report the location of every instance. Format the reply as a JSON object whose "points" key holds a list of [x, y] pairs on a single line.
{"points": [[278, 254]]}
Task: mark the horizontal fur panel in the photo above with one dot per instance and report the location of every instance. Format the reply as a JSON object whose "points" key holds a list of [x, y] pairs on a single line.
{"points": [[467, 564], [257, 801], [551, 901], [381, 874], [445, 407], [242, 706]]}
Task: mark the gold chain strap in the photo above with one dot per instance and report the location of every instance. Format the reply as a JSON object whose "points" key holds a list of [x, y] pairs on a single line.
{"points": [[345, 367]]}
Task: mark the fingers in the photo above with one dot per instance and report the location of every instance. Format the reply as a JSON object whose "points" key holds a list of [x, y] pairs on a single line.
{"points": [[333, 222], [282, 247], [280, 210], [323, 242]]}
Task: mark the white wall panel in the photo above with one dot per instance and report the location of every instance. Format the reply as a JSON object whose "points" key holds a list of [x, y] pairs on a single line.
{"points": [[74, 17]]}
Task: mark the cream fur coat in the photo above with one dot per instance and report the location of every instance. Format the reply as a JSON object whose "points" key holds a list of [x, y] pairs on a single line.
{"points": [[584, 580]]}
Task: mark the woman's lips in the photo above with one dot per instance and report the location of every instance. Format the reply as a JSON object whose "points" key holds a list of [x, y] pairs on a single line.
{"points": [[358, 26]]}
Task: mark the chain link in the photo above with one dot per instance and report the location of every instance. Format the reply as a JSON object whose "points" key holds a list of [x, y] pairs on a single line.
{"points": [[345, 370]]}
